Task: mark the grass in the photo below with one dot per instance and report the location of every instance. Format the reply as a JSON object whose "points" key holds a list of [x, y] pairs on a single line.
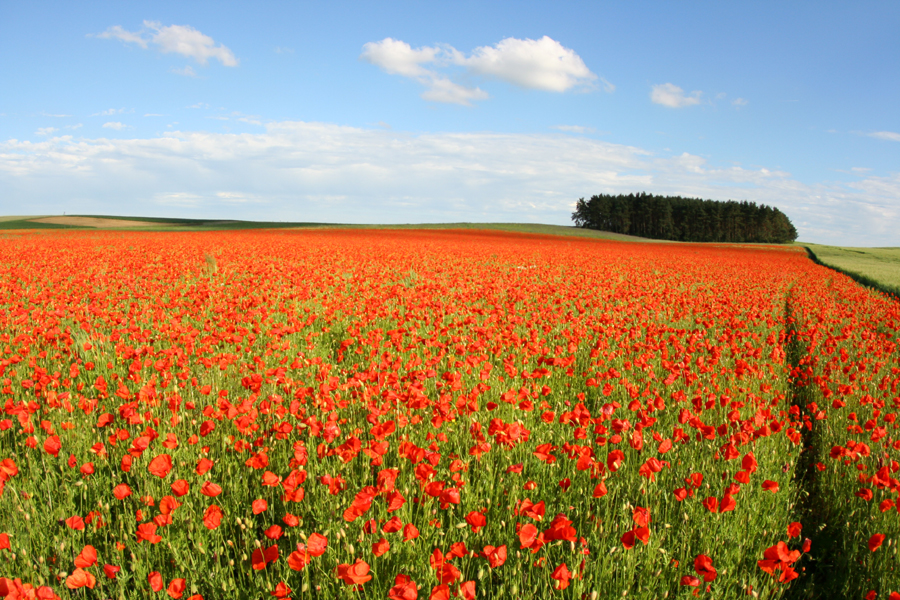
{"points": [[176, 224], [24, 223], [877, 268]]}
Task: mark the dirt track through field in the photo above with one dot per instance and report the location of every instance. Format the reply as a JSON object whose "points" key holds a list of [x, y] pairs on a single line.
{"points": [[92, 222]]}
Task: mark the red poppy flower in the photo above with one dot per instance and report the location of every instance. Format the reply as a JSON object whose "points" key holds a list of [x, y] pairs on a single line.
{"points": [[259, 506], [211, 489], [704, 568], [110, 571], [147, 531], [176, 588], [727, 504], [274, 532], [160, 466], [87, 557], [476, 521], [875, 542], [355, 574], [212, 517], [281, 590], [317, 544], [392, 525], [600, 490], [121, 491], [261, 558], [560, 529], [180, 487], [75, 522], [203, 466], [380, 547], [562, 575], [404, 589], [794, 530], [298, 559], [770, 486], [410, 532], [156, 581], [79, 579], [52, 445], [711, 504], [495, 556]]}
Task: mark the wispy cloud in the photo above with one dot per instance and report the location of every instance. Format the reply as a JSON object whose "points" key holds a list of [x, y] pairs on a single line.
{"points": [[574, 128], [178, 39], [46, 131], [380, 175], [44, 114], [109, 112], [669, 94], [114, 125], [187, 71], [739, 102], [886, 135], [542, 64]]}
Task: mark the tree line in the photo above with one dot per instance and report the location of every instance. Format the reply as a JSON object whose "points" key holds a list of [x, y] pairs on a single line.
{"points": [[684, 219]]}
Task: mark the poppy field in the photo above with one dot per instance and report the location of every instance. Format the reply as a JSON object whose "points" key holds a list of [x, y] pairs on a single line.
{"points": [[437, 414]]}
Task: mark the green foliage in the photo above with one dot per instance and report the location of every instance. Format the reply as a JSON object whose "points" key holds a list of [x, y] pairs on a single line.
{"points": [[684, 219]]}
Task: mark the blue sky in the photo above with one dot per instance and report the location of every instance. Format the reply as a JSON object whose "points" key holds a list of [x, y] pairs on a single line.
{"points": [[396, 112]]}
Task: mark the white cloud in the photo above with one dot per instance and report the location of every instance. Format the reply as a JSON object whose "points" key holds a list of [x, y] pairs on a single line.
{"points": [[44, 114], [119, 33], [154, 115], [399, 58], [669, 94], [321, 172], [739, 102], [178, 39], [238, 198], [46, 131], [187, 71], [114, 125], [542, 64], [199, 105], [109, 112], [283, 50], [574, 128], [442, 89], [886, 135]]}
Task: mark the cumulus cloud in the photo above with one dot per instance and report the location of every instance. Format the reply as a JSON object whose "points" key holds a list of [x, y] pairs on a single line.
{"points": [[542, 64], [669, 94], [46, 131], [178, 39], [302, 171], [886, 135]]}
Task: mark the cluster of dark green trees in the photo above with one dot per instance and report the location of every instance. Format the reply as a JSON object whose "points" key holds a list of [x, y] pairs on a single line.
{"points": [[684, 219]]}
